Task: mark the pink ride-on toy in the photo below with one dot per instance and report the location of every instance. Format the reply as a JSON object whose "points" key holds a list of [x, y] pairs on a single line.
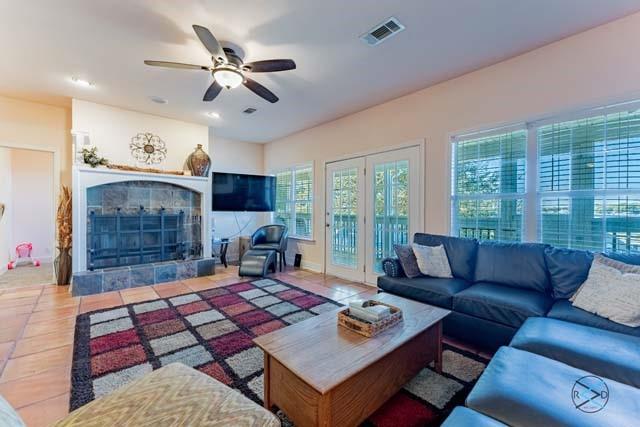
{"points": [[23, 256]]}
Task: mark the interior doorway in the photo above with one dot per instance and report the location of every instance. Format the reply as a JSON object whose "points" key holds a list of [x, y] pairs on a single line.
{"points": [[27, 196], [372, 203]]}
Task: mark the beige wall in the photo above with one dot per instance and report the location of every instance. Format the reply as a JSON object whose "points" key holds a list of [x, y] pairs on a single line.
{"points": [[591, 68], [24, 123], [229, 155], [236, 157], [111, 129], [5, 198], [32, 205]]}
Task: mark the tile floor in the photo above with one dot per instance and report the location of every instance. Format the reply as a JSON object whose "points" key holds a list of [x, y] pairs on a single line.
{"points": [[27, 275], [37, 327]]}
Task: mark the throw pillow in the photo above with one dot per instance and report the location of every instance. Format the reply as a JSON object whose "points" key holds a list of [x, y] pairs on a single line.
{"points": [[611, 262], [407, 260], [432, 261], [612, 290]]}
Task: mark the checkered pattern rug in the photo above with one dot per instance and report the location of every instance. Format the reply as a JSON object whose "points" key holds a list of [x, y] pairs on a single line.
{"points": [[213, 330]]}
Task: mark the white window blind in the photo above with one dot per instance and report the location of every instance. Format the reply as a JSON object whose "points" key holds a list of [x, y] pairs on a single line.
{"points": [[294, 200], [589, 183], [488, 186]]}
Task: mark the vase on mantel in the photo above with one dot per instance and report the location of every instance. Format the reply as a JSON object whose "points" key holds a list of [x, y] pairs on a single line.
{"points": [[199, 162]]}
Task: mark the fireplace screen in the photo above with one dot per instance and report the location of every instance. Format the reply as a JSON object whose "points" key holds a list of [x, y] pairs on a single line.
{"points": [[126, 239]]}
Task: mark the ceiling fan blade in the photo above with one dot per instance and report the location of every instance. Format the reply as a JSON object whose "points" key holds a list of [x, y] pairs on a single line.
{"points": [[176, 65], [260, 90], [212, 92], [210, 42], [270, 66]]}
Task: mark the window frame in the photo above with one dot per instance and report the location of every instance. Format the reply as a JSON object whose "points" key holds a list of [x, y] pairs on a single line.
{"points": [[455, 198], [533, 196], [292, 200], [598, 194]]}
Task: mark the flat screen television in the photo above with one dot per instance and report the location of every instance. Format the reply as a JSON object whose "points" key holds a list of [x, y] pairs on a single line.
{"points": [[234, 192]]}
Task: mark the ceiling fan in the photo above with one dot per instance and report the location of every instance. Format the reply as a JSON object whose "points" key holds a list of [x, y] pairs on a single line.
{"points": [[228, 69]]}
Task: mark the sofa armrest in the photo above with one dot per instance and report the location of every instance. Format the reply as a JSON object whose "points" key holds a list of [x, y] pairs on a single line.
{"points": [[392, 267]]}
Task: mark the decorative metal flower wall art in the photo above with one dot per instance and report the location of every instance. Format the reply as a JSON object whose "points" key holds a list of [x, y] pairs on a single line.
{"points": [[148, 148]]}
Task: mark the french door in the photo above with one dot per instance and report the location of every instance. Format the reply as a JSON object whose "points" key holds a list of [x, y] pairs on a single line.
{"points": [[373, 202], [345, 219]]}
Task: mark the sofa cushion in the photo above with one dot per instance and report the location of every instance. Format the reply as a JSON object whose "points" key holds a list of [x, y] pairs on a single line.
{"points": [[564, 310], [464, 417], [503, 304], [485, 335], [429, 290], [520, 265], [460, 252], [626, 258], [616, 356], [8, 416], [568, 269], [524, 389]]}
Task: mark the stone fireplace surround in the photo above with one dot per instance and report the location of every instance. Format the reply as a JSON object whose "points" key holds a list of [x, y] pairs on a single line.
{"points": [[90, 282], [138, 205]]}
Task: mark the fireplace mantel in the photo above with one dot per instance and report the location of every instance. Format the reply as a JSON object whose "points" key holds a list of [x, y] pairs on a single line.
{"points": [[85, 177]]}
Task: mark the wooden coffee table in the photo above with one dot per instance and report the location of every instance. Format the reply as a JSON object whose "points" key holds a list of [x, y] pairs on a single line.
{"points": [[321, 374]]}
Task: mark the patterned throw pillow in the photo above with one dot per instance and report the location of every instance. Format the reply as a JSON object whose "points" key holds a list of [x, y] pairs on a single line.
{"points": [[432, 261], [407, 260], [612, 290]]}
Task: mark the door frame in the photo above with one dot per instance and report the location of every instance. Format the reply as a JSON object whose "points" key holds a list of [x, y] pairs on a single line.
{"points": [[420, 143], [56, 178]]}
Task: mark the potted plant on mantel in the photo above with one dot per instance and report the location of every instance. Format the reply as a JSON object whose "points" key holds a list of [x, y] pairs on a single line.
{"points": [[62, 262]]}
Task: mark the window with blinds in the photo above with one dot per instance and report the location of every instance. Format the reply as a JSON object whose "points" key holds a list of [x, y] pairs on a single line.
{"points": [[589, 183], [294, 200], [488, 186]]}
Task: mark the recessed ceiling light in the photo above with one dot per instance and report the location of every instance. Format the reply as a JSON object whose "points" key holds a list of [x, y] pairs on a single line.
{"points": [[158, 100], [81, 82], [213, 115]]}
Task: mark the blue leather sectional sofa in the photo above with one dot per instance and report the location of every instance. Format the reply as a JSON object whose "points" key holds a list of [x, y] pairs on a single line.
{"points": [[516, 296], [497, 286]]}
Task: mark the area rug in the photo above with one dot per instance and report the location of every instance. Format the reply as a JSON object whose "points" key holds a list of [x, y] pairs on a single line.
{"points": [[212, 331]]}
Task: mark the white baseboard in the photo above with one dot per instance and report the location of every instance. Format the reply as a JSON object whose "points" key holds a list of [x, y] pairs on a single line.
{"points": [[307, 265]]}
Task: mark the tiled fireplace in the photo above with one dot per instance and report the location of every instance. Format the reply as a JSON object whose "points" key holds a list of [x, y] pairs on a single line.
{"points": [[134, 229], [141, 222]]}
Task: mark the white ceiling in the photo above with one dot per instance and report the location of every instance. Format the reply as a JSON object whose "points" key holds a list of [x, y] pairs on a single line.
{"points": [[44, 42]]}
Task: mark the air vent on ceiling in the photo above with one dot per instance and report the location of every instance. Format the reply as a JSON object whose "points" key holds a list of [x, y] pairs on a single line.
{"points": [[387, 28], [249, 110]]}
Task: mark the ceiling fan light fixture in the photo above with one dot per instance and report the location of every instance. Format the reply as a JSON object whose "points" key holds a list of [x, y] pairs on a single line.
{"points": [[228, 77]]}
